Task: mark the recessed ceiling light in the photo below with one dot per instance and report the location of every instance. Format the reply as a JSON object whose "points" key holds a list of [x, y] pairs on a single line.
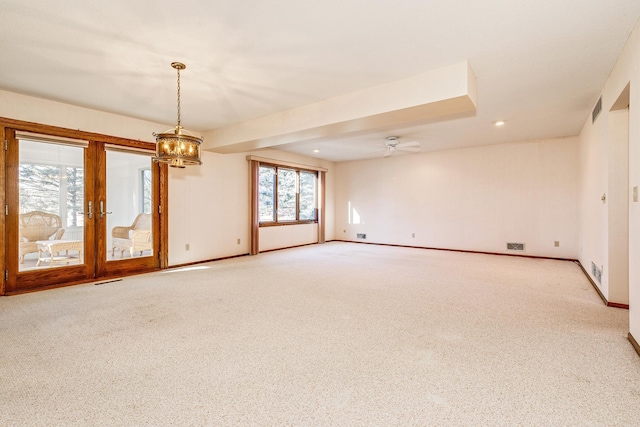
{"points": [[499, 122], [316, 151]]}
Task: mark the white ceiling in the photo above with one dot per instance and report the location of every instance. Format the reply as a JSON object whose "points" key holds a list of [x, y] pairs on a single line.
{"points": [[540, 64]]}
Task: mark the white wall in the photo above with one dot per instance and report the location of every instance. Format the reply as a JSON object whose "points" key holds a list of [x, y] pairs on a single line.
{"points": [[287, 236], [632, 71], [474, 199], [599, 231], [618, 208], [209, 209]]}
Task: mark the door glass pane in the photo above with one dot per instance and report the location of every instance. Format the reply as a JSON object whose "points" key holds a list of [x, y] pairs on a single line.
{"points": [[267, 190], [51, 193], [286, 194], [128, 206], [307, 195]]}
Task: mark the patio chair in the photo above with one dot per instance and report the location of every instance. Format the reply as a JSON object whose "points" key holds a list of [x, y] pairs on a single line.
{"points": [[133, 238], [34, 226]]}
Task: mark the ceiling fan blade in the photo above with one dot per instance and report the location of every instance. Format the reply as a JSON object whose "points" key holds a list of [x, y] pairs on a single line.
{"points": [[409, 149], [408, 144]]}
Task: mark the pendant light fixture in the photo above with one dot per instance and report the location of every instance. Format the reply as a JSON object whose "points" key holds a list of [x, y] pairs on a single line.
{"points": [[178, 147]]}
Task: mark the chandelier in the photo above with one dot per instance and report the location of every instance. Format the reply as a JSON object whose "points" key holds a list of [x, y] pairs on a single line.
{"points": [[178, 147]]}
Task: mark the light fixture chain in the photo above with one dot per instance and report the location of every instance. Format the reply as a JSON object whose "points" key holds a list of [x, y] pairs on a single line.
{"points": [[178, 96]]}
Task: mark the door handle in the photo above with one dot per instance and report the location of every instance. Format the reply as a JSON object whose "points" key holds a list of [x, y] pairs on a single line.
{"points": [[102, 212], [90, 209]]}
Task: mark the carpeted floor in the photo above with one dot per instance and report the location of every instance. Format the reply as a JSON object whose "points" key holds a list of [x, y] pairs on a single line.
{"points": [[337, 334]]}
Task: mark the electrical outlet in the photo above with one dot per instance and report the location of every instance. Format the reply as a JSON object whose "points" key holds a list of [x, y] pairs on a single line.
{"points": [[413, 235], [556, 243], [186, 247], [238, 241]]}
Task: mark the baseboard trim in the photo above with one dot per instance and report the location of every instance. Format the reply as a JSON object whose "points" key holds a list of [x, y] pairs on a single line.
{"points": [[187, 264], [607, 303], [288, 247], [618, 305], [634, 343], [457, 250]]}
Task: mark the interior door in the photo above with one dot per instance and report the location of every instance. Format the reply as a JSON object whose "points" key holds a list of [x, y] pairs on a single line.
{"points": [[49, 227]]}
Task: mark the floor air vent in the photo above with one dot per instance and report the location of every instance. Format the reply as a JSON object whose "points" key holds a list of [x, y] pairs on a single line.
{"points": [[515, 247], [361, 236]]}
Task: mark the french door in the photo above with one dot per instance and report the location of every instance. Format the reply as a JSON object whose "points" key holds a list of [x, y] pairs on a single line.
{"points": [[78, 210]]}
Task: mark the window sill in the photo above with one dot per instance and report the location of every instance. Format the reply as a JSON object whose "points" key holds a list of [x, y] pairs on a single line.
{"points": [[278, 224]]}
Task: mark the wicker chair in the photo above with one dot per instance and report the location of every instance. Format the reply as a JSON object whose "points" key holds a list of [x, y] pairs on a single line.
{"points": [[37, 225], [134, 238]]}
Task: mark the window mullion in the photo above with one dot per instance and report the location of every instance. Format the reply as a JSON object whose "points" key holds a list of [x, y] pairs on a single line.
{"points": [[275, 195], [315, 191], [298, 195]]}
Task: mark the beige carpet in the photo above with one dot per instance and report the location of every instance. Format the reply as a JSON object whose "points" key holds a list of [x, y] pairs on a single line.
{"points": [[328, 335]]}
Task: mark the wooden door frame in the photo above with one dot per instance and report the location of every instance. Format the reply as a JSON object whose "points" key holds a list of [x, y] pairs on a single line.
{"points": [[3, 202], [120, 267], [161, 183], [32, 279]]}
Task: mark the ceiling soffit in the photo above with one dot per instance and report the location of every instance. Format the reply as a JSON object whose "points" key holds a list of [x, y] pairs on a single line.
{"points": [[446, 91]]}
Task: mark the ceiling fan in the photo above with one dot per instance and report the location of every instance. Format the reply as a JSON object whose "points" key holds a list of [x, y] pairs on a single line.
{"points": [[392, 145]]}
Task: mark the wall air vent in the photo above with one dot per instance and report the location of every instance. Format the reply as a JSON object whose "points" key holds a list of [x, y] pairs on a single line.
{"points": [[596, 272], [361, 236], [515, 247], [596, 110]]}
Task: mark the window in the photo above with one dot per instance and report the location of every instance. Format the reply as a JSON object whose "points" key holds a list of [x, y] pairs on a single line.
{"points": [[308, 198], [286, 195]]}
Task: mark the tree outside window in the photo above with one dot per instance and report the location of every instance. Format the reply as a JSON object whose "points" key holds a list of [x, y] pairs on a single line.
{"points": [[52, 189], [287, 196], [267, 194], [147, 197], [308, 193]]}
